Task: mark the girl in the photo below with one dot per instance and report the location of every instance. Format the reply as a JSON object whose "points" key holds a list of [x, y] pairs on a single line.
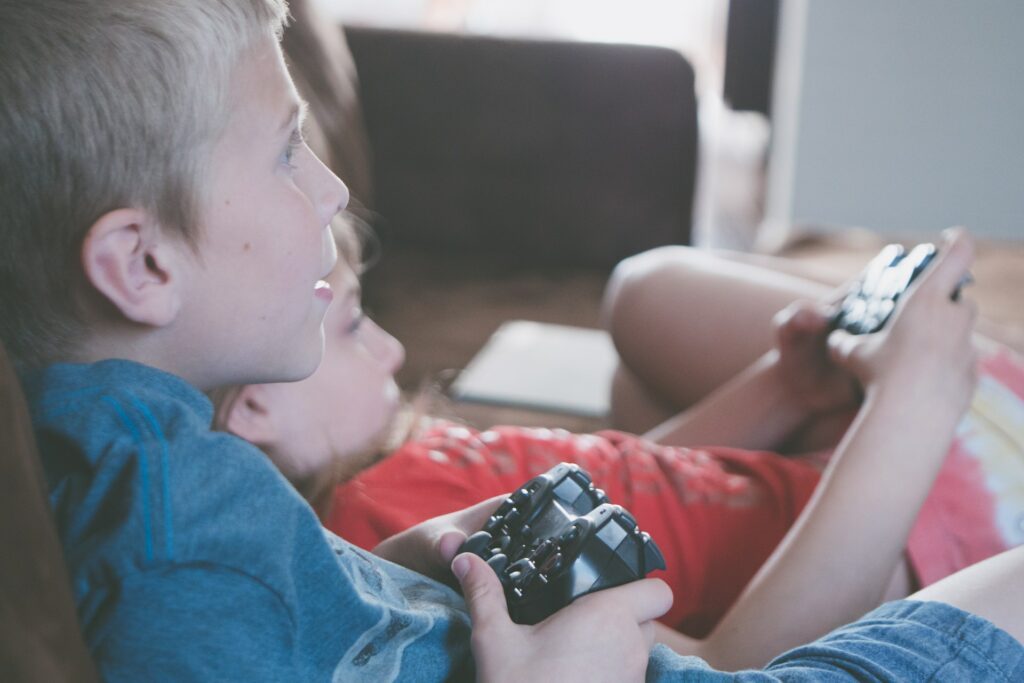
{"points": [[717, 512]]}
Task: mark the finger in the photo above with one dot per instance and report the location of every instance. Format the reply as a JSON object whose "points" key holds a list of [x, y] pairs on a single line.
{"points": [[643, 600], [448, 545], [800, 318], [842, 348], [459, 525], [815, 317], [483, 592], [951, 264], [473, 518]]}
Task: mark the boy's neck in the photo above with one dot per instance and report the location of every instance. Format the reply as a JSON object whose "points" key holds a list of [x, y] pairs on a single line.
{"points": [[148, 346]]}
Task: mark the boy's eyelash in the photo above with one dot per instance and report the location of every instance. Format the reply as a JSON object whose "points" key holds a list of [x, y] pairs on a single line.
{"points": [[294, 143]]}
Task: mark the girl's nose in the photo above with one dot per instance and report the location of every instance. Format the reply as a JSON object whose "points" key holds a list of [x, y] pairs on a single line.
{"points": [[385, 348]]}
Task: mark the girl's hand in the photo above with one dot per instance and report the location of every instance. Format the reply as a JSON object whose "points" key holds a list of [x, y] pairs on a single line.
{"points": [[429, 547], [925, 352], [814, 381], [604, 636]]}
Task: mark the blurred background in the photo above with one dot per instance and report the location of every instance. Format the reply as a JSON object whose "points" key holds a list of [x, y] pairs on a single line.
{"points": [[520, 149]]}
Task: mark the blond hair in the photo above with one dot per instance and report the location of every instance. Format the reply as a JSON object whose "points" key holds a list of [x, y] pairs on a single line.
{"points": [[104, 104]]}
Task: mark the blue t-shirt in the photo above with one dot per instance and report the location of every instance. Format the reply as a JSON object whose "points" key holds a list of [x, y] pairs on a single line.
{"points": [[192, 558]]}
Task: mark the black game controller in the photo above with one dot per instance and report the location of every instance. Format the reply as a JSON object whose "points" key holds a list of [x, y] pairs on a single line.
{"points": [[558, 538], [872, 299]]}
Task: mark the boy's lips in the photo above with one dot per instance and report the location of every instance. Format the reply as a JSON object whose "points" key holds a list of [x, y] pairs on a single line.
{"points": [[322, 290]]}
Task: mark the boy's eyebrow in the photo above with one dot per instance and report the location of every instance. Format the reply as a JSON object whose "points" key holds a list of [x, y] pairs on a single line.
{"points": [[298, 109]]}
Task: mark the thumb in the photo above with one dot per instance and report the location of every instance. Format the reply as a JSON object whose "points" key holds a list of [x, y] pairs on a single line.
{"points": [[483, 592], [449, 543]]}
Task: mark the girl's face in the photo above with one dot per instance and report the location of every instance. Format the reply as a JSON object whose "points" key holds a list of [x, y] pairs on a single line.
{"points": [[340, 412]]}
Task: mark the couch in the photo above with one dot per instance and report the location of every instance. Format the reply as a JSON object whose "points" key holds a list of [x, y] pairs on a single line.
{"points": [[552, 152]]}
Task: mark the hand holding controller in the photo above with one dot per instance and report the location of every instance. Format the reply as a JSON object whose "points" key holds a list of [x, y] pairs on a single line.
{"points": [[557, 538], [872, 299]]}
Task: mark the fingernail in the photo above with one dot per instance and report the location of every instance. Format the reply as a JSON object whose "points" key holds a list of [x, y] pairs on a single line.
{"points": [[460, 566]]}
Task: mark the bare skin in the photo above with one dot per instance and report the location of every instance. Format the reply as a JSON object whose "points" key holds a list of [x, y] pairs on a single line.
{"points": [[666, 366]]}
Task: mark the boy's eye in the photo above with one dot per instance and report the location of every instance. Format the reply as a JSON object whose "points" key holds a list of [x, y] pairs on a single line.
{"points": [[294, 143]]}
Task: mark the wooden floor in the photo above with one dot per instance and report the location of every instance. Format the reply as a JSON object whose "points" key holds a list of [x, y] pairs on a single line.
{"points": [[443, 308]]}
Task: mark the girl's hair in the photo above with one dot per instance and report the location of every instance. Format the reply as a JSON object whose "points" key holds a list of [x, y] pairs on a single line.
{"points": [[104, 104]]}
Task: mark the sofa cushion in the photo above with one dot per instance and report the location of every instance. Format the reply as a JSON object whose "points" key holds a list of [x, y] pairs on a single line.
{"points": [[557, 152], [39, 634]]}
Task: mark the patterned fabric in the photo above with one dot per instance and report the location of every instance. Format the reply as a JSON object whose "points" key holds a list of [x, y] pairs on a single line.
{"points": [[976, 508]]}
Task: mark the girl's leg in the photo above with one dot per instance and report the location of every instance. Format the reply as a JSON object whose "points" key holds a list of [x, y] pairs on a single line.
{"points": [[684, 321], [991, 589]]}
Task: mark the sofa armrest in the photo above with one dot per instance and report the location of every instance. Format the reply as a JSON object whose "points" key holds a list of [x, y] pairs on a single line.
{"points": [[560, 152]]}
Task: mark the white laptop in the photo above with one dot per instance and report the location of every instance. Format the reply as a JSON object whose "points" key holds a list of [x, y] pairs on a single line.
{"points": [[541, 366]]}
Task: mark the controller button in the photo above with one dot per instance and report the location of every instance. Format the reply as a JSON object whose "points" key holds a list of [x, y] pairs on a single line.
{"points": [[492, 523], [628, 519], [477, 543], [546, 547], [552, 564], [612, 534], [521, 566], [503, 542], [498, 563], [653, 559], [514, 515], [568, 491]]}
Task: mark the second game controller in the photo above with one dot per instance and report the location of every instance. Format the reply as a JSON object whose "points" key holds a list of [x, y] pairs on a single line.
{"points": [[872, 299]]}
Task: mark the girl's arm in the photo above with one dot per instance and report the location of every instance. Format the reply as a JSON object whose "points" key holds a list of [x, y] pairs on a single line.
{"points": [[834, 564], [692, 329], [793, 386], [755, 410]]}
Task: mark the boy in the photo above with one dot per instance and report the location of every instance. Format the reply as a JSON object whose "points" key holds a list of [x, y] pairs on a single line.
{"points": [[165, 210], [166, 232]]}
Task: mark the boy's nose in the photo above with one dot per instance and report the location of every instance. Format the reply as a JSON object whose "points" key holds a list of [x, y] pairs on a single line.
{"points": [[336, 196], [332, 195]]}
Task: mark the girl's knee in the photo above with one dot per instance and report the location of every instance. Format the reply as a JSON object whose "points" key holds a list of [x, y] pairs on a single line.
{"points": [[640, 279]]}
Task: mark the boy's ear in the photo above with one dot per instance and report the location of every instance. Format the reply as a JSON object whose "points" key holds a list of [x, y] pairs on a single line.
{"points": [[250, 416], [134, 266]]}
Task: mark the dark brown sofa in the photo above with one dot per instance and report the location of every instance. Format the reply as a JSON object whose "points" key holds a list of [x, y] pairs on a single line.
{"points": [[552, 152]]}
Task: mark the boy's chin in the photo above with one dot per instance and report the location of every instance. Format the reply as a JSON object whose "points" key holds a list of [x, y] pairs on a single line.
{"points": [[299, 368]]}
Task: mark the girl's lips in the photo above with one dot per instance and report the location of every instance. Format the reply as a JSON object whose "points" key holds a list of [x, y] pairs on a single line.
{"points": [[322, 290]]}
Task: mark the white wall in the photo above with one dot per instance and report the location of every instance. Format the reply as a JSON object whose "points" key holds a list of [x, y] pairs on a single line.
{"points": [[901, 116]]}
